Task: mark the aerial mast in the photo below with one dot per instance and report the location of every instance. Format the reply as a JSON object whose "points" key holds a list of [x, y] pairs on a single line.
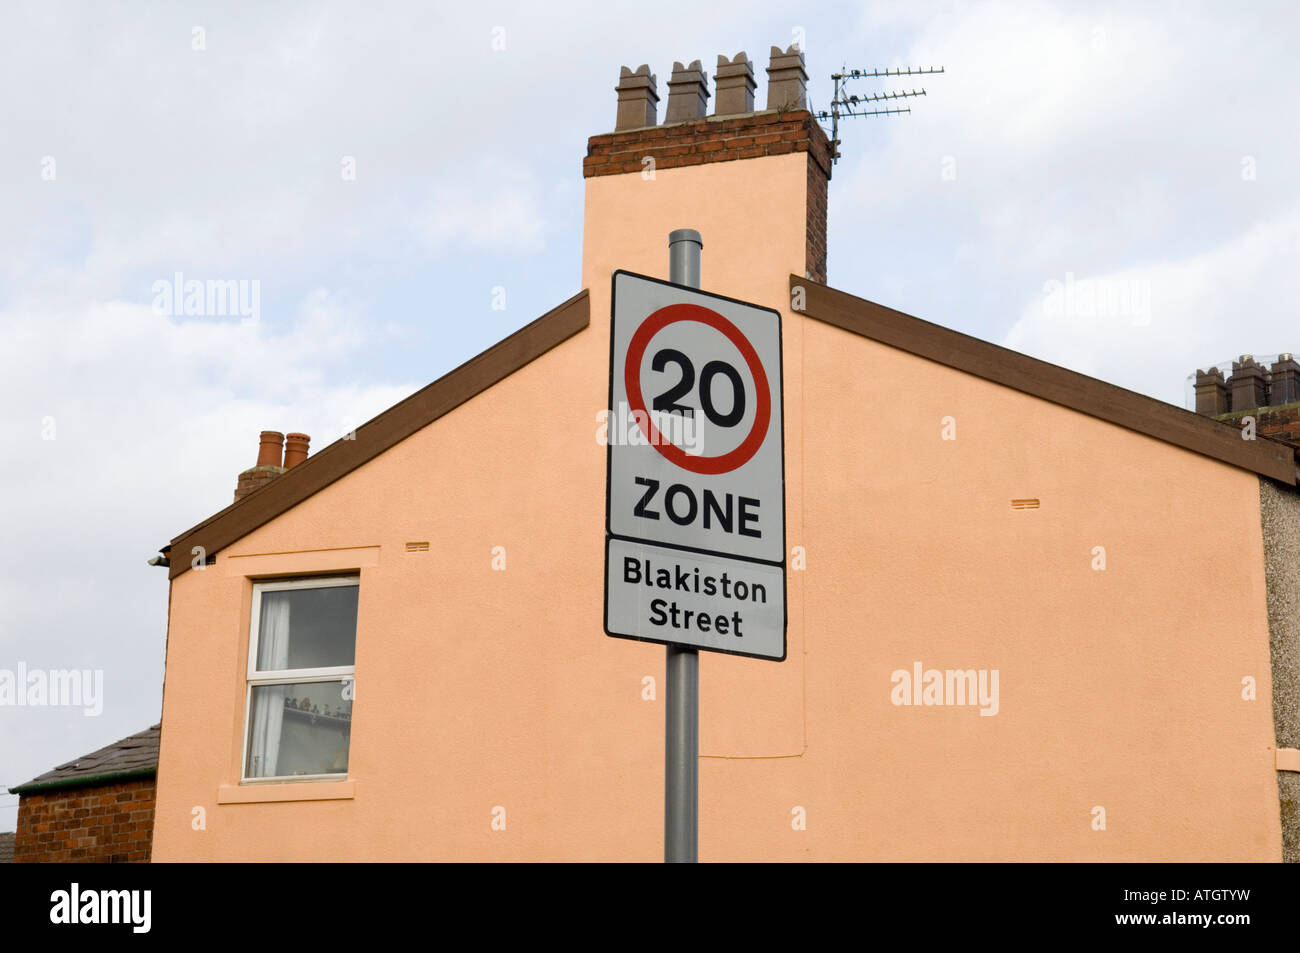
{"points": [[849, 105]]}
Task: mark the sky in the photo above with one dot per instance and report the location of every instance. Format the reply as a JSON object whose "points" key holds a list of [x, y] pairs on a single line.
{"points": [[1111, 187]]}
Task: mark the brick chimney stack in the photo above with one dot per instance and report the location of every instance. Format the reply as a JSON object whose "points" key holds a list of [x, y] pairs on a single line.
{"points": [[735, 131], [275, 455], [269, 465]]}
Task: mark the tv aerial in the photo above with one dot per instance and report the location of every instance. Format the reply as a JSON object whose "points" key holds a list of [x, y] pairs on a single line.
{"points": [[851, 104]]}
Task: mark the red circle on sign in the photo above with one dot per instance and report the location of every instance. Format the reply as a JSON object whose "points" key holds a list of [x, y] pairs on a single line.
{"points": [[632, 382]]}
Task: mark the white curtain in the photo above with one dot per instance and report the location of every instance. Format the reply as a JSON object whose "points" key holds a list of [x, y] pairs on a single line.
{"points": [[268, 700]]}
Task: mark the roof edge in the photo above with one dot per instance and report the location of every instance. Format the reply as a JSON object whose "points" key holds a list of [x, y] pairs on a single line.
{"points": [[83, 781], [1050, 382], [378, 434]]}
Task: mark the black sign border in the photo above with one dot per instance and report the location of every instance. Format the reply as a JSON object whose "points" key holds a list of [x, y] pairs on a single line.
{"points": [[609, 459]]}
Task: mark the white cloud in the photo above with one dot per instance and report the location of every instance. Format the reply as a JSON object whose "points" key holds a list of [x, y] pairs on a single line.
{"points": [[1116, 159], [1239, 297], [1102, 140], [153, 419]]}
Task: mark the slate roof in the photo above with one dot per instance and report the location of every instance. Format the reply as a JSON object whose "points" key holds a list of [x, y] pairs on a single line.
{"points": [[135, 756], [7, 848]]}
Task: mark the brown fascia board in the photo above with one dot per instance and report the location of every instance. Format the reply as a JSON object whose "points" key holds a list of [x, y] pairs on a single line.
{"points": [[1130, 410], [377, 435]]}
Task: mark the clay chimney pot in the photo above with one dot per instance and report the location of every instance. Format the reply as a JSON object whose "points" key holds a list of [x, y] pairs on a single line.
{"points": [[295, 449], [268, 453]]}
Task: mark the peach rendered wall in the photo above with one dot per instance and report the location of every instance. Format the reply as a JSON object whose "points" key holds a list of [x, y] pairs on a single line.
{"points": [[1119, 688], [479, 689]]}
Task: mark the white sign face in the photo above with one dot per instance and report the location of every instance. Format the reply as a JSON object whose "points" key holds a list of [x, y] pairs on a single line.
{"points": [[695, 503]]}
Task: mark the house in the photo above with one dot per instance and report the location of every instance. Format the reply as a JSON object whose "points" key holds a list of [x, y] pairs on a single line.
{"points": [[98, 808], [1031, 615]]}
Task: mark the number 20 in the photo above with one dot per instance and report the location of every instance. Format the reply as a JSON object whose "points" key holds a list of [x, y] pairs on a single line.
{"points": [[667, 401]]}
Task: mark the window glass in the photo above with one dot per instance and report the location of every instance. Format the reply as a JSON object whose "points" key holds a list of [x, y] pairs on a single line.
{"points": [[299, 728], [300, 686], [307, 628]]}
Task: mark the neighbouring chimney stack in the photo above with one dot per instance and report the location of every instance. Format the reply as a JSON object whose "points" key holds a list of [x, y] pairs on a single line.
{"points": [[688, 93], [1285, 387], [637, 98], [1269, 396], [787, 80], [1211, 392], [1249, 384], [734, 86], [268, 466], [295, 449]]}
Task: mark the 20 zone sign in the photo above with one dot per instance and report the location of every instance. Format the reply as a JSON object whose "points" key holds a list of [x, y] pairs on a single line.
{"points": [[695, 501]]}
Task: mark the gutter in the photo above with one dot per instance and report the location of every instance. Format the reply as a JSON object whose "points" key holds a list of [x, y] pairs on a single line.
{"points": [[83, 781]]}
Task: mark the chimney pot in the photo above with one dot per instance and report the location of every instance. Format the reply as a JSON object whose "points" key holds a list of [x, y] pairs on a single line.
{"points": [[787, 80], [1248, 385], [734, 86], [269, 451], [267, 468], [637, 98], [688, 93], [1285, 385], [1211, 392], [295, 449]]}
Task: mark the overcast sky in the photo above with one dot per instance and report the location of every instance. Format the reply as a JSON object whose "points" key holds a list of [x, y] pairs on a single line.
{"points": [[1148, 150]]}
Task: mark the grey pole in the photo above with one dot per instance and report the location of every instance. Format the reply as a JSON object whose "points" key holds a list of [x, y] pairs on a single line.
{"points": [[684, 246], [682, 709]]}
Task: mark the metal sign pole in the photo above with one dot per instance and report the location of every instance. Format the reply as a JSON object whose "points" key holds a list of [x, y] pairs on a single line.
{"points": [[682, 710]]}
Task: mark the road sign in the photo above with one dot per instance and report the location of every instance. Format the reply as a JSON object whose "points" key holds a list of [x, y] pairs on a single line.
{"points": [[695, 498]]}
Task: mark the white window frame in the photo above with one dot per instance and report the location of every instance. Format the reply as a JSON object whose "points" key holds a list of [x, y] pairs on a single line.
{"points": [[254, 677]]}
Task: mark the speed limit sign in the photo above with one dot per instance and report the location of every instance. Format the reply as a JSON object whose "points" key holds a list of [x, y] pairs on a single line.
{"points": [[695, 500]]}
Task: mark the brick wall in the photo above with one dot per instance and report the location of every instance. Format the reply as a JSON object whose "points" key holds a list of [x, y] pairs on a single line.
{"points": [[111, 823], [724, 139], [818, 182], [255, 478], [1280, 422]]}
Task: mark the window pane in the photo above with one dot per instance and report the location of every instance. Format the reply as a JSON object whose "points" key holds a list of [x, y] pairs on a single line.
{"points": [[300, 728], [307, 628]]}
